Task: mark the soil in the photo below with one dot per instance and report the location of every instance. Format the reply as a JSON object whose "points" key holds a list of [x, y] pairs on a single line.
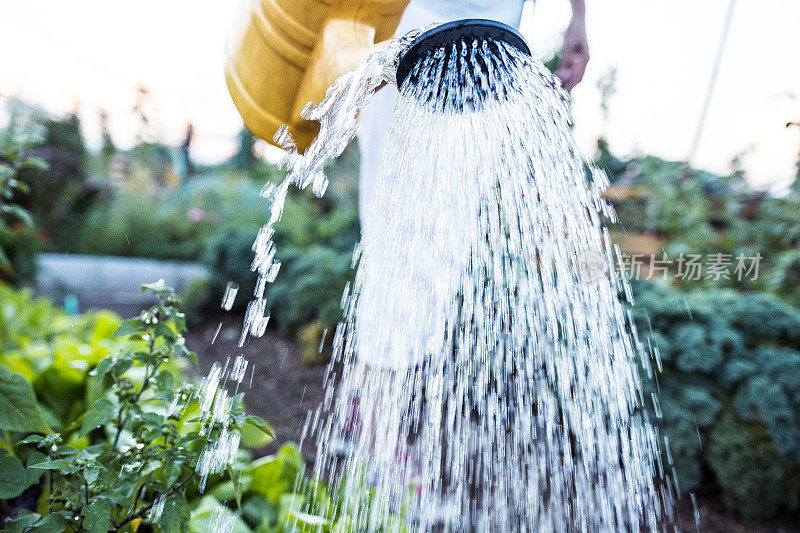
{"points": [[714, 518], [284, 390]]}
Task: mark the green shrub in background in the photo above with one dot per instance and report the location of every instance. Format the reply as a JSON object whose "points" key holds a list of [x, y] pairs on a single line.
{"points": [[59, 196], [57, 190], [316, 256], [179, 222], [314, 244], [315, 239], [696, 212], [18, 243], [729, 392]]}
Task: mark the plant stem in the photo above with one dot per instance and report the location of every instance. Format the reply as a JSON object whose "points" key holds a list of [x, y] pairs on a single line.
{"points": [[120, 424], [86, 499], [147, 375], [144, 510]]}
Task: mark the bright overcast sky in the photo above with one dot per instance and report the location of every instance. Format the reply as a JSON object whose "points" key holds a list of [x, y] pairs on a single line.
{"points": [[92, 54]]}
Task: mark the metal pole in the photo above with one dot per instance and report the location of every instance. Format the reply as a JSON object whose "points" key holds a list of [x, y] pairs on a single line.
{"points": [[712, 82]]}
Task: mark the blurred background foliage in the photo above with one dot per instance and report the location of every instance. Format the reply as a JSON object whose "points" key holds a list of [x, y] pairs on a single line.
{"points": [[730, 349]]}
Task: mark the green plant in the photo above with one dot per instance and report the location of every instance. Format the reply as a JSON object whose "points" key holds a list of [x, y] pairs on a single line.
{"points": [[145, 434], [179, 222], [55, 352], [276, 497], [695, 212], [729, 392], [17, 242], [314, 246]]}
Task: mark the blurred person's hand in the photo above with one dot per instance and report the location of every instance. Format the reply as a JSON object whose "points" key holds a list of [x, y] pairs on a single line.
{"points": [[574, 52]]}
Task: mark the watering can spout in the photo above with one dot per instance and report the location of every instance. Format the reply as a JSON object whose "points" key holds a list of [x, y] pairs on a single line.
{"points": [[458, 35], [286, 53]]}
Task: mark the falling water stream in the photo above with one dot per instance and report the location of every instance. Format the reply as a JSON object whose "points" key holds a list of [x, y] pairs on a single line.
{"points": [[478, 381]]}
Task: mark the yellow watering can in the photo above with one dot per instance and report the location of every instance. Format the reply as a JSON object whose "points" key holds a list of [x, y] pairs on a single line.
{"points": [[287, 52]]}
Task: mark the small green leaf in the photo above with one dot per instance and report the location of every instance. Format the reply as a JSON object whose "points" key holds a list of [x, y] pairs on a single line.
{"points": [[21, 522], [98, 414], [65, 450], [65, 467], [102, 368], [32, 439], [18, 408], [176, 513], [97, 517], [259, 423], [157, 287], [52, 523], [91, 474], [163, 330], [12, 477], [114, 366], [33, 475], [254, 438], [127, 327], [164, 379]]}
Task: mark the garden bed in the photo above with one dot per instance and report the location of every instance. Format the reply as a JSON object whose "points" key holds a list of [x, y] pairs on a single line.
{"points": [[107, 282]]}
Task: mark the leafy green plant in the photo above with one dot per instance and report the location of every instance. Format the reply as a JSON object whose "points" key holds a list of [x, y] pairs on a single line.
{"points": [[314, 247], [55, 352], [127, 450], [146, 435], [729, 392], [179, 222], [276, 497], [695, 212], [18, 246]]}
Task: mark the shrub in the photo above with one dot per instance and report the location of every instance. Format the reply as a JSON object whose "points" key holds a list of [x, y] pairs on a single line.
{"points": [[126, 456], [135, 450], [696, 212], [757, 481], [177, 223], [228, 259], [314, 247], [18, 243], [730, 392]]}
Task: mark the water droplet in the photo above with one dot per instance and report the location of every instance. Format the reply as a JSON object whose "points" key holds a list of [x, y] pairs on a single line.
{"points": [[230, 295]]}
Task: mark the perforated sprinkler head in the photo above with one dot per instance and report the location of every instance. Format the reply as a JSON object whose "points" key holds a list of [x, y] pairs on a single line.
{"points": [[446, 35]]}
